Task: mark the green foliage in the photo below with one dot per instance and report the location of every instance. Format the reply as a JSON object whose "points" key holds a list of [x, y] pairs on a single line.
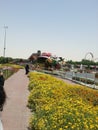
{"points": [[83, 62], [88, 62], [4, 60], [84, 80], [7, 73], [9, 69]]}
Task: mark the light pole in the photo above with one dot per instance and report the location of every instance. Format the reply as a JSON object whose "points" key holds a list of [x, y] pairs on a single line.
{"points": [[5, 27]]}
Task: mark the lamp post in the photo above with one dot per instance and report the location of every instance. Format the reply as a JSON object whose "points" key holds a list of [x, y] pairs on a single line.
{"points": [[5, 27]]}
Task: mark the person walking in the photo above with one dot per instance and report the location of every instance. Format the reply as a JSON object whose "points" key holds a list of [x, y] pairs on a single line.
{"points": [[27, 69], [2, 96], [1, 79]]}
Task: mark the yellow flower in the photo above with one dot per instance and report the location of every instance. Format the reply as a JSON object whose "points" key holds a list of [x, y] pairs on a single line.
{"points": [[47, 107], [66, 126], [60, 129], [91, 126]]}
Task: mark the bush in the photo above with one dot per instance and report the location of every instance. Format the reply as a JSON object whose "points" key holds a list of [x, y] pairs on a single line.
{"points": [[9, 69], [84, 80]]}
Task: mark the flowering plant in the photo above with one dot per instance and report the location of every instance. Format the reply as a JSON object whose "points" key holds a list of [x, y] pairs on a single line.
{"points": [[57, 105]]}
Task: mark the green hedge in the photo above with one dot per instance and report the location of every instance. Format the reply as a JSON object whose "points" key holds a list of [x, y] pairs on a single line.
{"points": [[84, 80]]}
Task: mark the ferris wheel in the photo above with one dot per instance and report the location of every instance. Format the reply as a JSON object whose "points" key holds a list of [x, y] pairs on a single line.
{"points": [[90, 56]]}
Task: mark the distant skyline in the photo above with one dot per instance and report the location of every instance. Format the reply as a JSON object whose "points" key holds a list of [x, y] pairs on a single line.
{"points": [[66, 28]]}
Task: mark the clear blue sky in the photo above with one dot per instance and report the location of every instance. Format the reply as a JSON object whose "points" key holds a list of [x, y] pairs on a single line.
{"points": [[67, 28]]}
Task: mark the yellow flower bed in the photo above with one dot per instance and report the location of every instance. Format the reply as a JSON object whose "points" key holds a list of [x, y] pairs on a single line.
{"points": [[56, 105], [11, 65]]}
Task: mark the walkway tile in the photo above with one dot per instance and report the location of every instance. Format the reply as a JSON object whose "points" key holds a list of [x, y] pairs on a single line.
{"points": [[15, 115]]}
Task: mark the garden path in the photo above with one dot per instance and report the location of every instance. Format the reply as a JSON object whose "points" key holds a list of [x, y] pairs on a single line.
{"points": [[15, 115]]}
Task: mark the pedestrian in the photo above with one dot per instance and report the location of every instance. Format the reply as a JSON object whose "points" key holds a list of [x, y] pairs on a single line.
{"points": [[1, 79], [27, 69], [2, 96], [2, 91]]}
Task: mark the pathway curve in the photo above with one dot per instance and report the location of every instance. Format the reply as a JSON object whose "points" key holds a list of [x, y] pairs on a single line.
{"points": [[15, 115]]}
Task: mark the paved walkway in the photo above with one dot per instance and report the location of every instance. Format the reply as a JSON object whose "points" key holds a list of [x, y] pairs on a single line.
{"points": [[15, 115]]}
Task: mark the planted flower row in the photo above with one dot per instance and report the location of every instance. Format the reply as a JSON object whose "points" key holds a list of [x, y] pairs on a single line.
{"points": [[9, 69], [56, 105]]}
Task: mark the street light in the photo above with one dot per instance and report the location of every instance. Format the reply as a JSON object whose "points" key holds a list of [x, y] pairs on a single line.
{"points": [[5, 27]]}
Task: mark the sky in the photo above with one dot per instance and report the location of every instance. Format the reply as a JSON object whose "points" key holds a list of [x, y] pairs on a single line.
{"points": [[65, 28]]}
